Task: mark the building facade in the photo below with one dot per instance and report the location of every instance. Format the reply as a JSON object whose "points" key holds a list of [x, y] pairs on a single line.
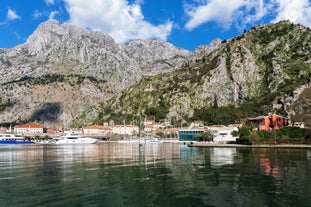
{"points": [[97, 129], [188, 134], [29, 128], [272, 121], [223, 134], [125, 129]]}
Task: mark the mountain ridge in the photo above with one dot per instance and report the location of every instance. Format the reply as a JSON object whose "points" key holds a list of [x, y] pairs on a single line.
{"points": [[65, 75], [249, 75], [85, 63]]}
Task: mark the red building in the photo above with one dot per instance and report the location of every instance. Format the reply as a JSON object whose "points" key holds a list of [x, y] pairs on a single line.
{"points": [[272, 121]]}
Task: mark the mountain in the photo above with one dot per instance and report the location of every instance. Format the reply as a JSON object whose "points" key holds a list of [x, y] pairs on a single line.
{"points": [[63, 69], [266, 69], [66, 75]]}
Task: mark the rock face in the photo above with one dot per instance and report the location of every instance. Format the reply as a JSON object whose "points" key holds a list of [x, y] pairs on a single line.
{"points": [[74, 68], [64, 71], [261, 68]]}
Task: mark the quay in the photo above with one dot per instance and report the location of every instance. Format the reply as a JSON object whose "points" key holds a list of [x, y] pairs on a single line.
{"points": [[211, 144]]}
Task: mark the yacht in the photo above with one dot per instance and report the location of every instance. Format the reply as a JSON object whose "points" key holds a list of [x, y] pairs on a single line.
{"points": [[9, 138], [73, 139]]}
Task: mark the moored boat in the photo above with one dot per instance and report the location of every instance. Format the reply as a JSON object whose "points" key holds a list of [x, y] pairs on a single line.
{"points": [[154, 140], [9, 138], [73, 139]]}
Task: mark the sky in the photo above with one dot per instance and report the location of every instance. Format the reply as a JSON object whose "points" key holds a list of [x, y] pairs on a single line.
{"points": [[184, 23]]}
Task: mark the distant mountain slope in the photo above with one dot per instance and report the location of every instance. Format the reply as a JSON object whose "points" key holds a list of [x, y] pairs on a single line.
{"points": [[64, 69], [252, 74]]}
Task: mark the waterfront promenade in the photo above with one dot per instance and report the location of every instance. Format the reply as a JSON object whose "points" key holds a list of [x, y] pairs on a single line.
{"points": [[212, 144]]}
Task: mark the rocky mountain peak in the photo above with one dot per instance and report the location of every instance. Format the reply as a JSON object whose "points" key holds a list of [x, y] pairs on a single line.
{"points": [[72, 69], [51, 34], [156, 55], [207, 49]]}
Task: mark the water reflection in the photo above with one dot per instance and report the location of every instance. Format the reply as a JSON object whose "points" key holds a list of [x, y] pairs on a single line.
{"points": [[169, 174], [272, 166], [223, 156]]}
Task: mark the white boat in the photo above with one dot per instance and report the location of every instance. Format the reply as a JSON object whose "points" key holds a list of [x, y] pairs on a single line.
{"points": [[154, 140], [9, 138], [73, 139]]}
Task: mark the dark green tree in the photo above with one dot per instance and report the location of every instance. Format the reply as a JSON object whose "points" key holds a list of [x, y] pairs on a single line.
{"points": [[206, 136]]}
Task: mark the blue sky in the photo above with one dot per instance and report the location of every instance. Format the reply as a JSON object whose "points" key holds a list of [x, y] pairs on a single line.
{"points": [[184, 23]]}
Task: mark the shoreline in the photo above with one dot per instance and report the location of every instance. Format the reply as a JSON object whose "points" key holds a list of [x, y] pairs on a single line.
{"points": [[291, 146]]}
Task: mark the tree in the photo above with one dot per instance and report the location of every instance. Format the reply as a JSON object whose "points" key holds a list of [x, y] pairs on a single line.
{"points": [[244, 133], [206, 136]]}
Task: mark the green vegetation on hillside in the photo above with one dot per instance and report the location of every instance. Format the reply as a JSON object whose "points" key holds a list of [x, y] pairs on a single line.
{"points": [[73, 79], [203, 89]]}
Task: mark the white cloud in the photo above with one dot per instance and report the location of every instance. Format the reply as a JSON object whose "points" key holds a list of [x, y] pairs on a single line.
{"points": [[12, 15], [53, 14], [243, 12], [259, 8], [297, 11], [50, 14], [122, 20], [38, 14], [220, 11]]}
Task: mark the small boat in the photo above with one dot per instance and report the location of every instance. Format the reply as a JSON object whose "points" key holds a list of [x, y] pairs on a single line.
{"points": [[154, 140], [9, 138], [73, 139]]}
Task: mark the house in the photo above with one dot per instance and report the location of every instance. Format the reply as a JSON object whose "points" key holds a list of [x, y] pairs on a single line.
{"points": [[97, 129], [272, 121], [171, 132], [149, 128], [29, 128], [125, 129], [3, 129], [196, 124], [223, 134]]}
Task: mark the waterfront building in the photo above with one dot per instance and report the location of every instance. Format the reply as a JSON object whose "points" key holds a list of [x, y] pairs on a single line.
{"points": [[223, 134], [51, 131], [171, 132], [3, 129], [29, 129], [125, 129], [149, 128], [188, 134], [97, 129], [272, 121]]}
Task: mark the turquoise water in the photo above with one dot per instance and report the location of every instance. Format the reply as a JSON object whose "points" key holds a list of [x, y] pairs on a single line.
{"points": [[167, 174]]}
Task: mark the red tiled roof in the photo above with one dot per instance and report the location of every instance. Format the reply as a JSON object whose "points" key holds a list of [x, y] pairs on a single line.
{"points": [[30, 125], [97, 127], [171, 129]]}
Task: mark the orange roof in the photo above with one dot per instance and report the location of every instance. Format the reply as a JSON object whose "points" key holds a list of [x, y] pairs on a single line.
{"points": [[30, 125], [97, 127]]}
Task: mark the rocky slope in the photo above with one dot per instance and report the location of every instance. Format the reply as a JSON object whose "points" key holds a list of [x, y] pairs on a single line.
{"points": [[252, 74], [64, 69], [64, 73]]}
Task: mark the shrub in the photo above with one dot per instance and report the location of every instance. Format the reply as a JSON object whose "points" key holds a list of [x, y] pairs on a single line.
{"points": [[244, 133], [293, 132]]}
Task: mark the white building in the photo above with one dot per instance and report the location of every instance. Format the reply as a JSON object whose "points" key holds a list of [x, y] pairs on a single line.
{"points": [[223, 133], [97, 129], [125, 129], [30, 128]]}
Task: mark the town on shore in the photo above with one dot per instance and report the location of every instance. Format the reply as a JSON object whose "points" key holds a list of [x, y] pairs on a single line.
{"points": [[150, 129]]}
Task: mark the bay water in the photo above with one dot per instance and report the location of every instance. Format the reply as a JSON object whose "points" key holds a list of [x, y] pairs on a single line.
{"points": [[153, 174]]}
